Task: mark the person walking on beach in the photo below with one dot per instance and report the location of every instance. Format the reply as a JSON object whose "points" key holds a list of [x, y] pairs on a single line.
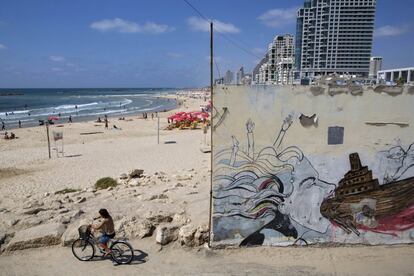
{"points": [[70, 118], [106, 122], [20, 124], [3, 126]]}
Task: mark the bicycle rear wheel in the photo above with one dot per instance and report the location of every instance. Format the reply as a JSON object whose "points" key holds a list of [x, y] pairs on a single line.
{"points": [[122, 252], [83, 250]]}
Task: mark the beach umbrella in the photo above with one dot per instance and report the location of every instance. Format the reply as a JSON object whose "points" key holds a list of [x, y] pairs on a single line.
{"points": [[52, 118]]}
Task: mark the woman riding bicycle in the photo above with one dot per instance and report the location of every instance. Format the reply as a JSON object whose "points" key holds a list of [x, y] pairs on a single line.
{"points": [[106, 227]]}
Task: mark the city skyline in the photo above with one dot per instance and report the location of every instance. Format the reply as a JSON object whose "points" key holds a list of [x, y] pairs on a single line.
{"points": [[157, 44]]}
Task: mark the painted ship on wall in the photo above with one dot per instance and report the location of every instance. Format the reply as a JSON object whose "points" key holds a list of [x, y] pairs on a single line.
{"points": [[361, 203]]}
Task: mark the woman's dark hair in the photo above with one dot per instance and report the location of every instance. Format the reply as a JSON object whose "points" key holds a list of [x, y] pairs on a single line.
{"points": [[104, 213]]}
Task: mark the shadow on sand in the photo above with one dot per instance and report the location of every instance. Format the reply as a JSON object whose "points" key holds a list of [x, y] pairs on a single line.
{"points": [[140, 257]]}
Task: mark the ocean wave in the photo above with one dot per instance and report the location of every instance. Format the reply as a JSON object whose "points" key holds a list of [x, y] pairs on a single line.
{"points": [[126, 102], [111, 96], [73, 106], [11, 113]]}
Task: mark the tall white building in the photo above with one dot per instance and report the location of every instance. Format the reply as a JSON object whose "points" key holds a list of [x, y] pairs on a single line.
{"points": [[278, 65], [375, 65], [240, 75], [256, 70], [334, 36], [228, 78]]}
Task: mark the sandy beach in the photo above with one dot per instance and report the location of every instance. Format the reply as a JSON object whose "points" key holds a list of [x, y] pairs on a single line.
{"points": [[174, 189]]}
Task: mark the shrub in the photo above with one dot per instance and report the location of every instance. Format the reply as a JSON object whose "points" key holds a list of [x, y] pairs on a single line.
{"points": [[105, 183], [66, 191]]}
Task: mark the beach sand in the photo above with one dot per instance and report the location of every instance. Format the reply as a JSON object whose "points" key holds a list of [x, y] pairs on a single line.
{"points": [[92, 152], [176, 184]]}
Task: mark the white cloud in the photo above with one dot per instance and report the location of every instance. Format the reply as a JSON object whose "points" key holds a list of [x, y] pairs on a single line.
{"points": [[278, 17], [199, 24], [2, 47], [56, 69], [57, 58], [390, 31], [125, 26], [175, 55]]}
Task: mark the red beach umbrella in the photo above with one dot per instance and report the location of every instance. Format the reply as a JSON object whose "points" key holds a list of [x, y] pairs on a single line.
{"points": [[52, 118]]}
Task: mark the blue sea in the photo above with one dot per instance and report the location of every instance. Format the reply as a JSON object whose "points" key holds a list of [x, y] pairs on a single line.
{"points": [[31, 105]]}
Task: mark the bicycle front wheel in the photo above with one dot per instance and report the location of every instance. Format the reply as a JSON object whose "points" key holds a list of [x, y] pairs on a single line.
{"points": [[83, 250], [122, 252]]}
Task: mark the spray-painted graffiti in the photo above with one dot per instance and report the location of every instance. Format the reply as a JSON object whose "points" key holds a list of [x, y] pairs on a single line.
{"points": [[398, 162], [273, 189], [360, 202], [274, 192]]}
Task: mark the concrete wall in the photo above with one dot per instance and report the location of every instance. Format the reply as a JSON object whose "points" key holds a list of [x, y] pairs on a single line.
{"points": [[280, 154]]}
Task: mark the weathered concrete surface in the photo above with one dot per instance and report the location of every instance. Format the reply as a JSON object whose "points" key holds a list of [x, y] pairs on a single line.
{"points": [[38, 236], [272, 174]]}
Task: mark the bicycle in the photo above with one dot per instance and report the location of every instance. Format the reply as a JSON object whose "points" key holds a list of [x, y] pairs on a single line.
{"points": [[84, 248]]}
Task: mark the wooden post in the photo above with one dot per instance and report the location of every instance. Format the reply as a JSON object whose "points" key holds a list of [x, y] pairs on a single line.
{"points": [[158, 130], [48, 139], [211, 143]]}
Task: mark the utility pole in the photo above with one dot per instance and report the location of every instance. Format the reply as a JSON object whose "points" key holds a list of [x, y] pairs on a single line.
{"points": [[211, 130]]}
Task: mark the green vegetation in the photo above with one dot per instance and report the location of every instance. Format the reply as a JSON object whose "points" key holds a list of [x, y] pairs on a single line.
{"points": [[401, 81], [105, 183], [66, 191]]}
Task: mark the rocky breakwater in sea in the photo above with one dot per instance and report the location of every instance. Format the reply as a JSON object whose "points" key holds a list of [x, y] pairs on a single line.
{"points": [[168, 208]]}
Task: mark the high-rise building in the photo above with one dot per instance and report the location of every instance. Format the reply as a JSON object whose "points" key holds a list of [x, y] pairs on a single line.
{"points": [[278, 64], [334, 36], [228, 78], [256, 70], [375, 65], [240, 75]]}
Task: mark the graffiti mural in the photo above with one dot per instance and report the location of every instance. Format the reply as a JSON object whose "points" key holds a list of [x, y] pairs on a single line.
{"points": [[271, 191], [292, 167], [274, 193], [360, 202]]}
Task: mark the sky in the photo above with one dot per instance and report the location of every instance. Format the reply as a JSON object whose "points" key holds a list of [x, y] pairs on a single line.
{"points": [[159, 43]]}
